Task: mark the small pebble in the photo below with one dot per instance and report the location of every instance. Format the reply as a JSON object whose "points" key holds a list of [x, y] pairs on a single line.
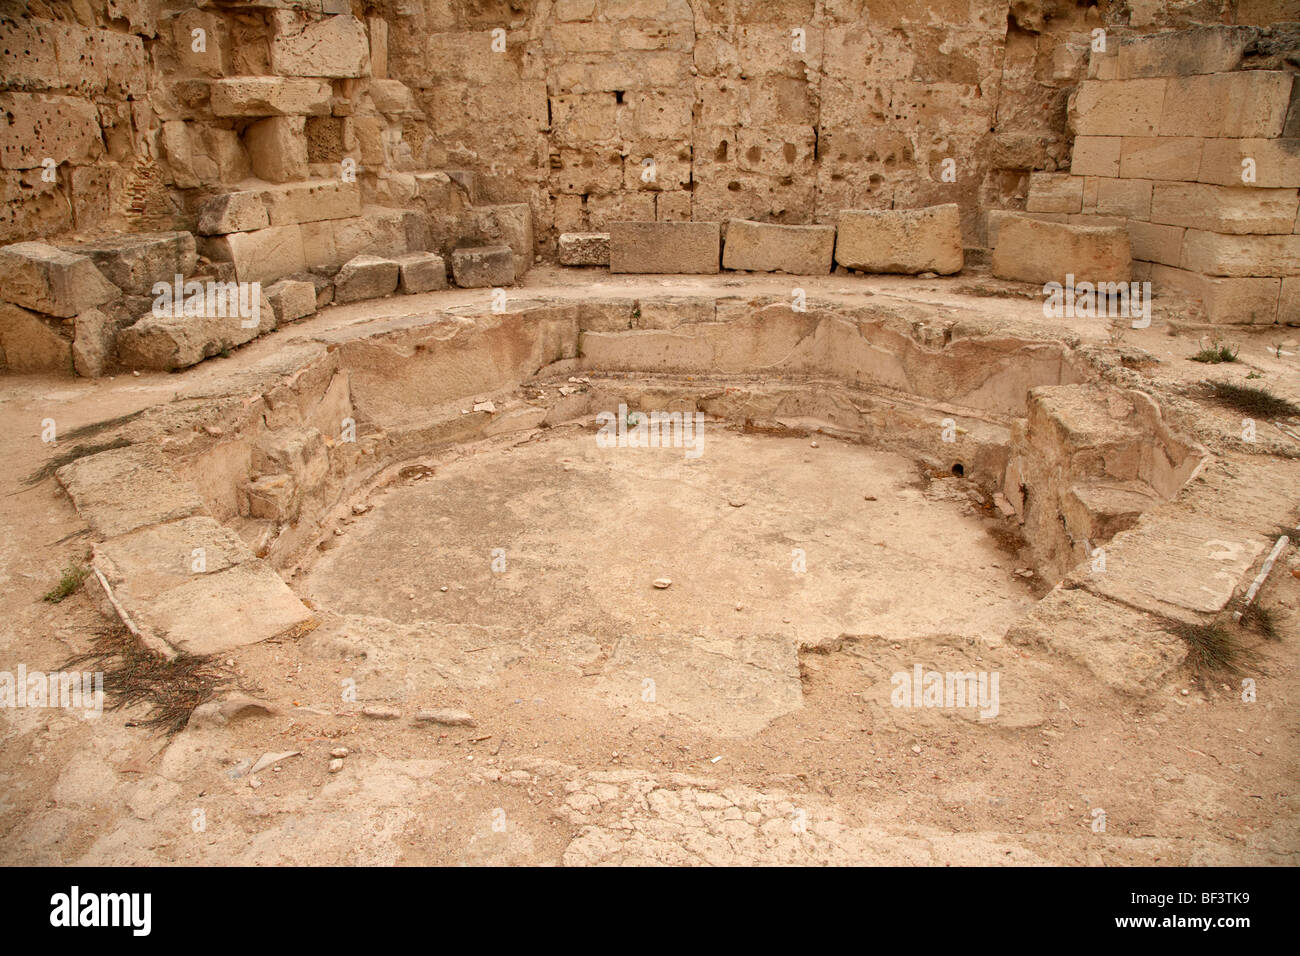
{"points": [[336, 765], [662, 583]]}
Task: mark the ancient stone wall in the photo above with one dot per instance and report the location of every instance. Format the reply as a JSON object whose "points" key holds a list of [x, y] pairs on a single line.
{"points": [[129, 114]]}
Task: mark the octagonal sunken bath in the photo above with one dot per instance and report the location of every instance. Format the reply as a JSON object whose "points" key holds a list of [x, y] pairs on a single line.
{"points": [[451, 501]]}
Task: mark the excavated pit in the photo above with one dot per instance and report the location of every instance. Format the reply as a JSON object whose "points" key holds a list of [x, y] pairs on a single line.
{"points": [[847, 461]]}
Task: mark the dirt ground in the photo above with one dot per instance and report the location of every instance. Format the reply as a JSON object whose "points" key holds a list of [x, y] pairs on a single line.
{"points": [[742, 715]]}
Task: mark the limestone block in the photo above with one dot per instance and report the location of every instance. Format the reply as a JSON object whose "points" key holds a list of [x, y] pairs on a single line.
{"points": [[1096, 156], [584, 249], [270, 96], [30, 344], [262, 255], [508, 224], [1160, 157], [1275, 162], [1227, 301], [479, 267], [1250, 103], [664, 247], [770, 247], [45, 279], [909, 241], [1117, 107], [241, 211], [333, 47], [120, 490], [291, 299], [37, 126], [365, 277], [311, 201], [1210, 49], [135, 262], [1029, 250], [277, 148], [1055, 192], [421, 272], [1217, 254], [1237, 210], [164, 341], [94, 343]]}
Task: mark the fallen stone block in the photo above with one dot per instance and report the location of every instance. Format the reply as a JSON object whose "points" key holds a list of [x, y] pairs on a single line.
{"points": [[28, 343], [94, 343], [270, 96], [136, 262], [365, 277], [54, 281], [507, 224], [120, 490], [1029, 250], [377, 231], [165, 341], [584, 249], [311, 201], [233, 212], [291, 299], [421, 272], [771, 247], [688, 248], [908, 241], [479, 267], [215, 613], [1125, 649]]}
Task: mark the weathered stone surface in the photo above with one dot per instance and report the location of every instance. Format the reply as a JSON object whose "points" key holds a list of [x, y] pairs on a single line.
{"points": [[333, 47], [277, 148], [134, 263], [584, 249], [508, 224], [1126, 198], [770, 247], [311, 201], [900, 240], [1054, 192], [146, 562], [1236, 210], [1216, 49], [365, 277], [393, 97], [377, 231], [1275, 162], [1216, 254], [1118, 107], [1096, 156], [215, 613], [263, 255], [1226, 301], [29, 344], [123, 489], [1032, 251], [291, 299], [1159, 157], [94, 343], [421, 272], [270, 96], [35, 127], [1245, 104], [45, 279], [665, 247], [233, 212], [480, 267], [1125, 649], [166, 342]]}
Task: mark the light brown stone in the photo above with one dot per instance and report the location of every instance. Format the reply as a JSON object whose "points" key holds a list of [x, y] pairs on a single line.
{"points": [[1238, 210], [771, 247], [909, 241], [1032, 251], [665, 247]]}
